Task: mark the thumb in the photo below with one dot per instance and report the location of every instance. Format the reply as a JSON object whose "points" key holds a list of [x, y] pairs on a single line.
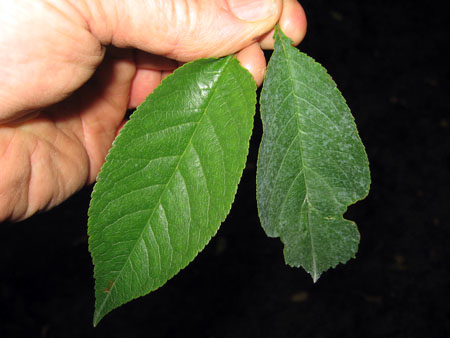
{"points": [[183, 29]]}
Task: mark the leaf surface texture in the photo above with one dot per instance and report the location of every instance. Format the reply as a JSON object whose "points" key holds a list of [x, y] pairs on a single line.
{"points": [[312, 164], [170, 179]]}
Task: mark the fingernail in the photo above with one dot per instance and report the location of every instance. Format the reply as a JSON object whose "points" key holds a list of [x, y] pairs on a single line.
{"points": [[253, 10]]}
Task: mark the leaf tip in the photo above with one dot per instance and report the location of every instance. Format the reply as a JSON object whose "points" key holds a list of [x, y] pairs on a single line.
{"points": [[96, 320], [98, 316], [315, 274], [315, 277]]}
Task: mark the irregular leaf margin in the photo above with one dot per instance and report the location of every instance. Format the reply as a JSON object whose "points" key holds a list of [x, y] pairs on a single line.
{"points": [[281, 39]]}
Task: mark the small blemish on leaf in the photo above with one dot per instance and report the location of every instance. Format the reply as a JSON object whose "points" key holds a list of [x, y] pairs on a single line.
{"points": [[109, 286]]}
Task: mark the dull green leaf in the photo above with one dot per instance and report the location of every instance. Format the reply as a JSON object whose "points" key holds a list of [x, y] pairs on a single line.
{"points": [[312, 164], [169, 179]]}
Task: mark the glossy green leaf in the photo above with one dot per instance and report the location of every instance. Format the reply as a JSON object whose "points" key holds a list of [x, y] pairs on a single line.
{"points": [[312, 164], [169, 179]]}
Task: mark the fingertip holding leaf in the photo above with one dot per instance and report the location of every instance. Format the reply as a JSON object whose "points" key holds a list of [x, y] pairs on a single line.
{"points": [[312, 164], [170, 179]]}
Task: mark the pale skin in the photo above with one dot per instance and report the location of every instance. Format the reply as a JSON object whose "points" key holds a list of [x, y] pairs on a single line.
{"points": [[69, 70]]}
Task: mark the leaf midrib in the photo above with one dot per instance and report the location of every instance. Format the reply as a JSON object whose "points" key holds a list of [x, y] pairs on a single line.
{"points": [[297, 113], [147, 225]]}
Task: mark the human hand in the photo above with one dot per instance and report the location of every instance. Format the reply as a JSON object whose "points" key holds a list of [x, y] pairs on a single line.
{"points": [[69, 70]]}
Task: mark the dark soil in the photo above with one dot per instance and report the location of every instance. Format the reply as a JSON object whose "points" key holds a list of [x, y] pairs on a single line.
{"points": [[390, 61]]}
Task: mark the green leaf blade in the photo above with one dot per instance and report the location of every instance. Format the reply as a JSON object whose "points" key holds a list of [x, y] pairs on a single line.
{"points": [[169, 179], [311, 163]]}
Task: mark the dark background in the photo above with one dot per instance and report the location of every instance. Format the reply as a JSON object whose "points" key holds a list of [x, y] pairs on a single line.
{"points": [[389, 60]]}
